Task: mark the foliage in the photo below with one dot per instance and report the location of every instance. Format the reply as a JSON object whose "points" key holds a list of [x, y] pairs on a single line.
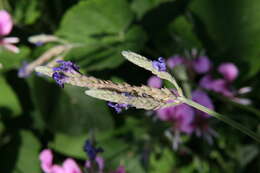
{"points": [[35, 113]]}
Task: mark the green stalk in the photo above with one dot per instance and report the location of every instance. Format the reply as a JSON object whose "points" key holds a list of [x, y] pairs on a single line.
{"points": [[223, 118]]}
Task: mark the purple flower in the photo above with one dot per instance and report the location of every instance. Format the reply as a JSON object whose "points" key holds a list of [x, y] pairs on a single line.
{"points": [[201, 64], [22, 73], [160, 64], [118, 106], [175, 60], [154, 82], [181, 116], [202, 98], [206, 82], [229, 71], [218, 85], [91, 150], [60, 78], [222, 86], [67, 67], [99, 161]]}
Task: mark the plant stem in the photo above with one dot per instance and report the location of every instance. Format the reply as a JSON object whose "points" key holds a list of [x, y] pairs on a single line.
{"points": [[223, 118]]}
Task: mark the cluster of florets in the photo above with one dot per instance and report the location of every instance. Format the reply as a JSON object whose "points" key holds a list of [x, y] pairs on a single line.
{"points": [[64, 67], [95, 163], [184, 118]]}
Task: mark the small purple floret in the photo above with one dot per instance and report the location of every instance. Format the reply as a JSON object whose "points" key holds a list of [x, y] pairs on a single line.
{"points": [[91, 150], [66, 66], [60, 78], [22, 73], [160, 64], [118, 106]]}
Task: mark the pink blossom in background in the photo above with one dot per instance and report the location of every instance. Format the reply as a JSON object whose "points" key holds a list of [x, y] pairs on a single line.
{"points": [[57, 169], [154, 82], [201, 64], [68, 166], [175, 60], [100, 163], [46, 158], [120, 169], [202, 98], [6, 25], [229, 71], [181, 116]]}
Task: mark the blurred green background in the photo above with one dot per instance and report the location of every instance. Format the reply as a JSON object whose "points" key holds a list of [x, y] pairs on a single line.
{"points": [[35, 113]]}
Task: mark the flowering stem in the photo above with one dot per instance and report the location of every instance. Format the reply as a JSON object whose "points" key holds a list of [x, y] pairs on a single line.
{"points": [[223, 118]]}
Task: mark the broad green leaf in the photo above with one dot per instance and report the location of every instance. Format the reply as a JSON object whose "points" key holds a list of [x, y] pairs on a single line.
{"points": [[11, 60], [232, 28], [69, 145], [28, 157], [73, 145], [26, 11], [165, 163], [69, 110], [21, 154], [140, 7], [9, 103], [103, 30], [183, 32]]}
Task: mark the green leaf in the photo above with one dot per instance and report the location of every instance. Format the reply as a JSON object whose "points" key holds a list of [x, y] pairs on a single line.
{"points": [[140, 7], [165, 163], [69, 145], [231, 27], [69, 110], [21, 154], [73, 145], [182, 30], [26, 11], [100, 34], [11, 60], [9, 104]]}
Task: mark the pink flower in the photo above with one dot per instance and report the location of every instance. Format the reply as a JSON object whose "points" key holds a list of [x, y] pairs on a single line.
{"points": [[201, 64], [46, 158], [57, 169], [206, 82], [100, 163], [70, 166], [6, 25], [175, 60], [154, 82], [228, 70], [202, 98], [120, 169], [181, 116]]}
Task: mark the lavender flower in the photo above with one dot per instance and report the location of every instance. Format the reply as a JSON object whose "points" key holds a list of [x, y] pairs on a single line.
{"points": [[66, 66], [60, 78], [91, 150], [22, 73], [118, 106], [159, 64]]}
